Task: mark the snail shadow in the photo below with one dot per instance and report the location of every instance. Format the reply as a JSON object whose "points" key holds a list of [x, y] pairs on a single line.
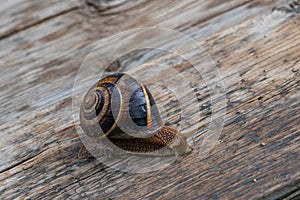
{"points": [[131, 163]]}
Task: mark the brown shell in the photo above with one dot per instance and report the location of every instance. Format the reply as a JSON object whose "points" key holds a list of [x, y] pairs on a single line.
{"points": [[123, 110]]}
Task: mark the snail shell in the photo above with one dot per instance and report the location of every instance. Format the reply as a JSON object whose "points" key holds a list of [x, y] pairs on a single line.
{"points": [[123, 110]]}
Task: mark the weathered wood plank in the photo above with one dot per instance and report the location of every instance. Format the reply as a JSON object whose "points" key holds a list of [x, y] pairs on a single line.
{"points": [[259, 59], [53, 48]]}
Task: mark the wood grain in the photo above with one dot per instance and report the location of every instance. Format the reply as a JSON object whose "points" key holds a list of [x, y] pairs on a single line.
{"points": [[255, 45]]}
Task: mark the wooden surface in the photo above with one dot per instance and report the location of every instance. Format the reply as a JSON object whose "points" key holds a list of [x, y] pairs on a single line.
{"points": [[255, 45]]}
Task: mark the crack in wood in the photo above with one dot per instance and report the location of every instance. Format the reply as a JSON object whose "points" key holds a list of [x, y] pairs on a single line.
{"points": [[16, 30], [21, 162], [103, 6], [285, 192], [293, 7], [100, 5]]}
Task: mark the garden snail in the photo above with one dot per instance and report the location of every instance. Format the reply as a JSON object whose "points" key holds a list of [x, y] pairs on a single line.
{"points": [[123, 110]]}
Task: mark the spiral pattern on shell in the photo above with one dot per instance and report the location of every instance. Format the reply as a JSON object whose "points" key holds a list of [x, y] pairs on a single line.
{"points": [[118, 106]]}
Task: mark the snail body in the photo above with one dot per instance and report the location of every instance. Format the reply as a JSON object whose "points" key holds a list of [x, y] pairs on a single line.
{"points": [[123, 110]]}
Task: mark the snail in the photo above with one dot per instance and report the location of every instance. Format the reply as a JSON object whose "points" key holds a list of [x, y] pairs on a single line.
{"points": [[123, 110]]}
